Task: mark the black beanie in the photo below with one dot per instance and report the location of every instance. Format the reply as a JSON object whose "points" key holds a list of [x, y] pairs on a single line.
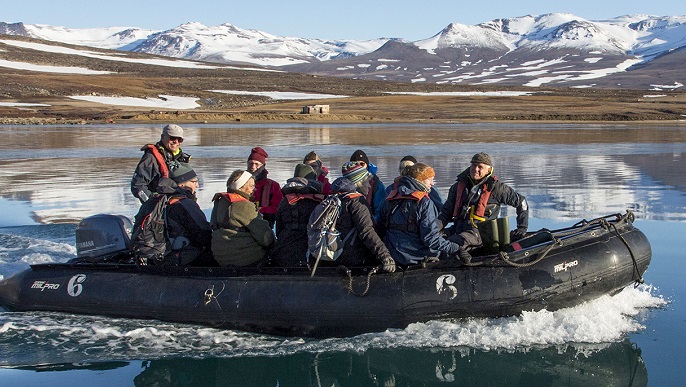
{"points": [[359, 155], [409, 158]]}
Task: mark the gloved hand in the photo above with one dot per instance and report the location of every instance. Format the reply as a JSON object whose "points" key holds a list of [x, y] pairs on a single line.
{"points": [[517, 234], [372, 168], [388, 265]]}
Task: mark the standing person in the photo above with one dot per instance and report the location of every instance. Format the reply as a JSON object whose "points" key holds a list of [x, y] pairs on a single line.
{"points": [[267, 193], [240, 237], [187, 230], [377, 192], [408, 219], [312, 159], [364, 247], [157, 161], [408, 161], [475, 197], [302, 193]]}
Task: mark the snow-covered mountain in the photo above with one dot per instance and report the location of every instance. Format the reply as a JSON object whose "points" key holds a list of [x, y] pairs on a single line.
{"points": [[551, 49]]}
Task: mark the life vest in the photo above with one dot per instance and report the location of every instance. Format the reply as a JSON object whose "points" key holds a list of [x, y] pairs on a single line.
{"points": [[477, 211], [159, 157], [293, 198], [395, 200], [231, 197]]}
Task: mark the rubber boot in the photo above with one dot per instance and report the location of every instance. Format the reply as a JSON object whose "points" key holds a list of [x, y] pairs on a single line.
{"points": [[464, 256]]}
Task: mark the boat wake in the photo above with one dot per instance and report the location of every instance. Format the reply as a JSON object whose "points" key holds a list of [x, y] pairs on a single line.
{"points": [[62, 338]]}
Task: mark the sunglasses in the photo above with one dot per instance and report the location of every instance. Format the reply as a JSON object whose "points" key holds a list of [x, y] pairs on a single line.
{"points": [[177, 139]]}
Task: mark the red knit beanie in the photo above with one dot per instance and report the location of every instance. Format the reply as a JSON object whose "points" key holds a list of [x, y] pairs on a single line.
{"points": [[258, 154]]}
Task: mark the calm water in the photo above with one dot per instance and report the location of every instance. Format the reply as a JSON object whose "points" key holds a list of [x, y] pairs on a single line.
{"points": [[54, 176]]}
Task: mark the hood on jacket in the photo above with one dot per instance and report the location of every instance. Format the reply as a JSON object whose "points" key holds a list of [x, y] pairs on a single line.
{"points": [[408, 184], [343, 185], [301, 185]]}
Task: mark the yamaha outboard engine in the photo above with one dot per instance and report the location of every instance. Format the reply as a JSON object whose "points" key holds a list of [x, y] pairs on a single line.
{"points": [[102, 238]]}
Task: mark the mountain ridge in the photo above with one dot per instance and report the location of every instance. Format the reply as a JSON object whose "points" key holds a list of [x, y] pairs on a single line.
{"points": [[567, 50]]}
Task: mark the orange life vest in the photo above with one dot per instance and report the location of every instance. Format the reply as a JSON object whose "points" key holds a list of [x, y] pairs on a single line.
{"points": [[159, 157], [480, 206]]}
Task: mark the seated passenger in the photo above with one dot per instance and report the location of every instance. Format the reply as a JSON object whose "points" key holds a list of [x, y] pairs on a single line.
{"points": [[408, 219], [301, 194], [267, 193], [377, 191], [312, 159], [405, 162], [475, 197], [240, 236], [364, 247], [187, 229]]}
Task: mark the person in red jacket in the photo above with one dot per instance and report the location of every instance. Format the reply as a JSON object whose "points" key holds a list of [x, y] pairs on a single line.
{"points": [[267, 193]]}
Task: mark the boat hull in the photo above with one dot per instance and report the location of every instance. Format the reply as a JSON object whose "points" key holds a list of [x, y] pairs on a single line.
{"points": [[334, 302]]}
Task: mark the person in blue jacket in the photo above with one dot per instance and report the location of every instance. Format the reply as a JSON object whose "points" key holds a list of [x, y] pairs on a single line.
{"points": [[408, 220], [405, 162]]}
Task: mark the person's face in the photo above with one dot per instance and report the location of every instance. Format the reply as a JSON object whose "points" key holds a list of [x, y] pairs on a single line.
{"points": [[364, 186], [191, 185], [478, 171], [429, 182], [254, 165], [248, 187], [171, 143]]}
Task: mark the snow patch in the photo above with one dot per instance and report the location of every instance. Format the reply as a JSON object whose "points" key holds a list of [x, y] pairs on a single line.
{"points": [[281, 94], [165, 101], [50, 69]]}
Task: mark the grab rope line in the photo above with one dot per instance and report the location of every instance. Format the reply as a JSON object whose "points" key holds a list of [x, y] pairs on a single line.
{"points": [[640, 279], [556, 242], [556, 239], [350, 282]]}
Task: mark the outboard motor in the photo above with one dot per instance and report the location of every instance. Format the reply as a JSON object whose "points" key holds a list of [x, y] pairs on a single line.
{"points": [[103, 237]]}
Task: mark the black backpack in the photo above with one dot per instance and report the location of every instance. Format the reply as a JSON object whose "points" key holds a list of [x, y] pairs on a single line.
{"points": [[150, 242]]}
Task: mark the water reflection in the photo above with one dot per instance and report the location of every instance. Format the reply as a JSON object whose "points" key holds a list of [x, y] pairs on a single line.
{"points": [[617, 364], [63, 174]]}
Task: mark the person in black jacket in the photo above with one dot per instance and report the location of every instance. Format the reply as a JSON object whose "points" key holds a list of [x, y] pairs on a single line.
{"points": [[301, 195], [157, 161], [188, 231], [475, 197], [364, 247]]}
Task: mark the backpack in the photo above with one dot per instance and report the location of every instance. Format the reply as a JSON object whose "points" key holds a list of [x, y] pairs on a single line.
{"points": [[149, 240], [324, 241]]}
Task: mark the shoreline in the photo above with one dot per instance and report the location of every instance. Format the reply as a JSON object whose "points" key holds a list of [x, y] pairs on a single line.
{"points": [[237, 118]]}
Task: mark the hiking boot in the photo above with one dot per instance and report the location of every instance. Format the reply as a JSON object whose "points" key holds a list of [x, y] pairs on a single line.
{"points": [[464, 256]]}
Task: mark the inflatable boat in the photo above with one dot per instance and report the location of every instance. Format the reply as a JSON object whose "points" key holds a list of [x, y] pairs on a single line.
{"points": [[548, 269]]}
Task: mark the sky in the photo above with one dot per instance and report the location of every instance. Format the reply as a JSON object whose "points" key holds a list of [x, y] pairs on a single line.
{"points": [[351, 19]]}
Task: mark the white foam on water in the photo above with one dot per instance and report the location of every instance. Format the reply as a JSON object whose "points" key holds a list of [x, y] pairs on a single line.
{"points": [[589, 326]]}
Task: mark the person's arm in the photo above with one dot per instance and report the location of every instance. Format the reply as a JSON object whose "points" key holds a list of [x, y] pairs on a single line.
{"points": [[445, 214], [428, 228], [362, 221], [247, 216], [146, 171]]}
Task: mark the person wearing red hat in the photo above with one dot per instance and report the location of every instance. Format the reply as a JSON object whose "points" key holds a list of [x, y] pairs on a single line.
{"points": [[267, 193]]}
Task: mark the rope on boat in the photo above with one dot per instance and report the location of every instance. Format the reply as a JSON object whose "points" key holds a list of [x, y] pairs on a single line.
{"points": [[350, 282], [630, 216], [556, 242], [577, 228]]}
